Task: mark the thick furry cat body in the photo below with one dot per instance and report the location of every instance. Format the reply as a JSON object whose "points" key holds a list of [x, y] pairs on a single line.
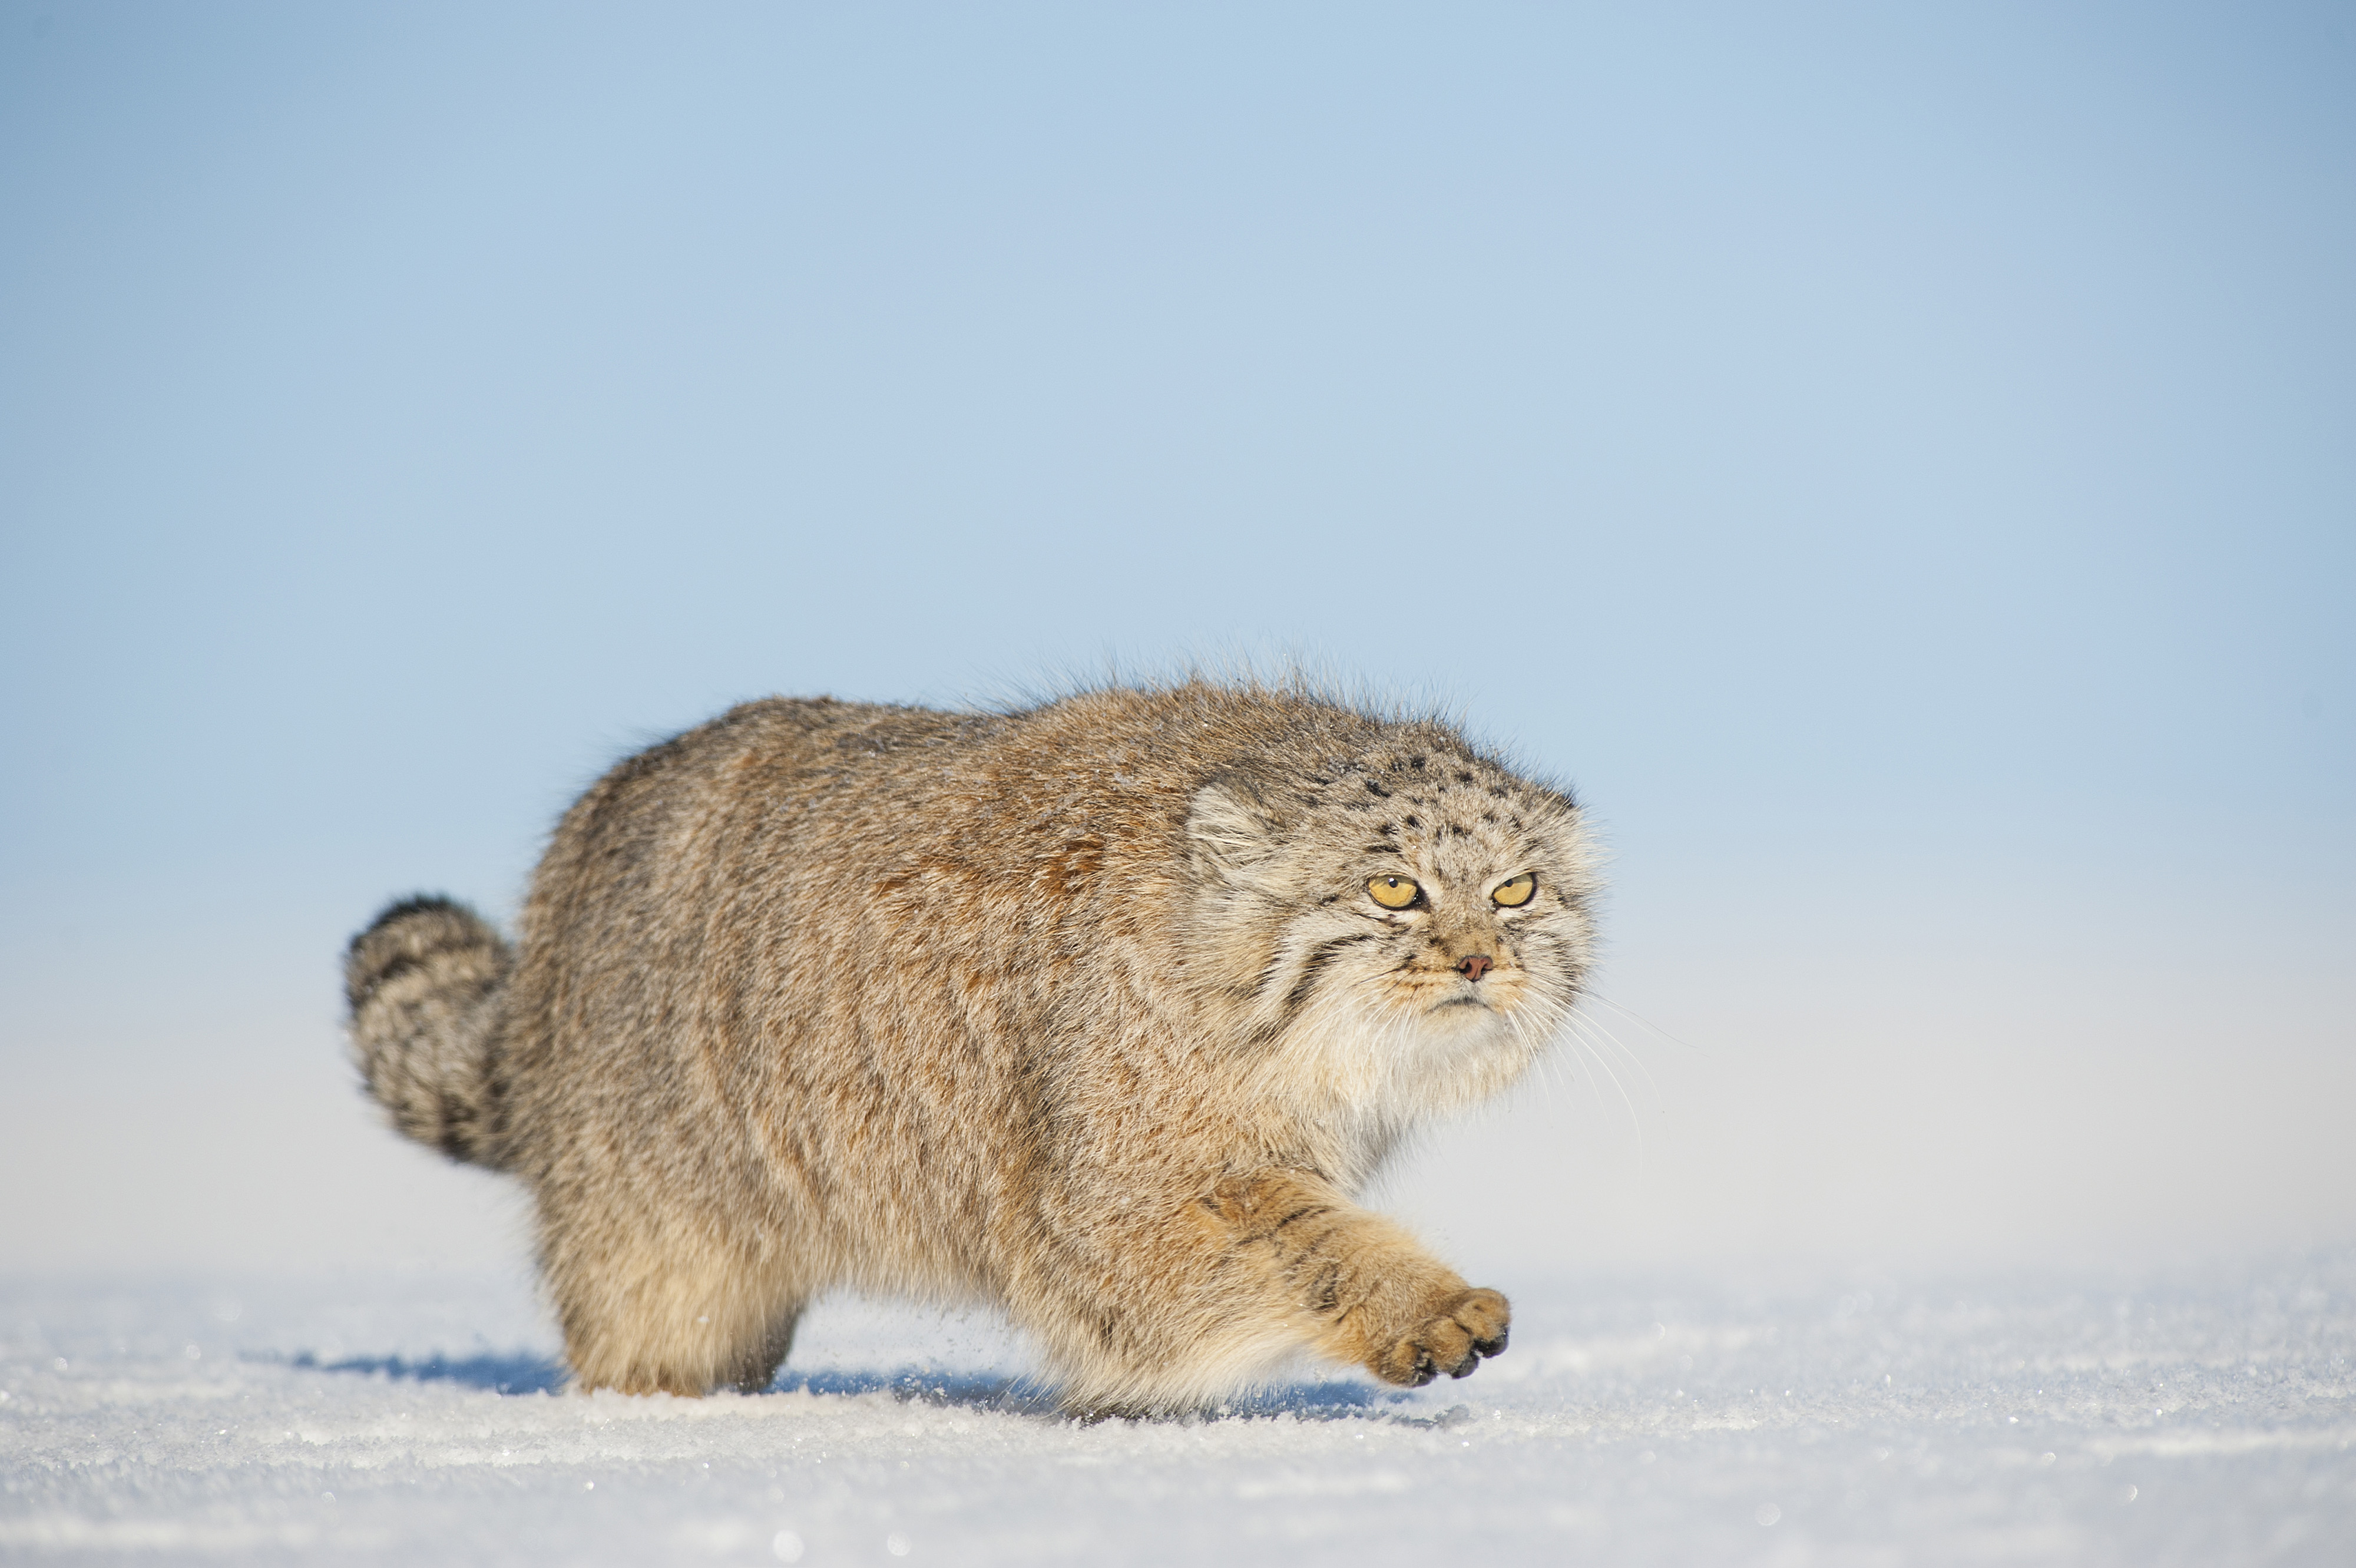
{"points": [[1087, 1012]]}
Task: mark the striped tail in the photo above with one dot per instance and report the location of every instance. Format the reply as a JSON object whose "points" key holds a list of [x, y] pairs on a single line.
{"points": [[426, 983]]}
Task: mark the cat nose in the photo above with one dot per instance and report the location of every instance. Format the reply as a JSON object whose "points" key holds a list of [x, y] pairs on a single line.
{"points": [[1473, 968]]}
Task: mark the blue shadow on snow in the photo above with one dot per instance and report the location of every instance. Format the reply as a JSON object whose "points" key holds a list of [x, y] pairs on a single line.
{"points": [[516, 1374], [1328, 1400]]}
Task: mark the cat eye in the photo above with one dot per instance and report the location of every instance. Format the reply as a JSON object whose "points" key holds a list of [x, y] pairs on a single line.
{"points": [[1514, 894], [1393, 892]]}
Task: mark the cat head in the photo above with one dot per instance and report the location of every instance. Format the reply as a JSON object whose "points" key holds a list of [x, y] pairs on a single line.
{"points": [[1396, 930]]}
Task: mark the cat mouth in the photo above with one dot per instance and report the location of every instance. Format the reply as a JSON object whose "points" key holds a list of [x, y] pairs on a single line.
{"points": [[1462, 1002]]}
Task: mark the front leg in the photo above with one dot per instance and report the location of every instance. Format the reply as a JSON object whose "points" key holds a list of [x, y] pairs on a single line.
{"points": [[1382, 1301]]}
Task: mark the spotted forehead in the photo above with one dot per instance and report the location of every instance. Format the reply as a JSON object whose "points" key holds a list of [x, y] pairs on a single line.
{"points": [[1466, 840], [1453, 814], [1416, 774]]}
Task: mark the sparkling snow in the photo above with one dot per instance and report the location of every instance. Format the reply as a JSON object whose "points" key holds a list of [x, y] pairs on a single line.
{"points": [[408, 1419]]}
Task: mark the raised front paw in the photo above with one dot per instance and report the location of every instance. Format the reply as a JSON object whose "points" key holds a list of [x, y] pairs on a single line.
{"points": [[1468, 1326]]}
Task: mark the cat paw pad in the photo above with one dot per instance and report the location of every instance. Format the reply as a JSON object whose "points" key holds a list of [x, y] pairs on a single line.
{"points": [[1473, 1325]]}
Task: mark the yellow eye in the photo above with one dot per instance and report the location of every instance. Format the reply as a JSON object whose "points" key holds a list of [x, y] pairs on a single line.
{"points": [[1517, 891], [1393, 892]]}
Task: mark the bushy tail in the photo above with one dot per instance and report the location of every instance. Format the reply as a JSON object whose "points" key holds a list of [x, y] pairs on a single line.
{"points": [[425, 983]]}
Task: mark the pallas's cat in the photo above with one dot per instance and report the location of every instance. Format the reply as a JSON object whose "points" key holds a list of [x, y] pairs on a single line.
{"points": [[1100, 1013]]}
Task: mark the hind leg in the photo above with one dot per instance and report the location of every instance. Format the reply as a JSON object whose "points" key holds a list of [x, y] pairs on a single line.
{"points": [[643, 1315], [680, 1332], [755, 1365]]}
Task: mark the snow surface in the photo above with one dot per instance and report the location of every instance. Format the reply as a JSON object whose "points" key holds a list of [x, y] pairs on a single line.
{"points": [[407, 1419]]}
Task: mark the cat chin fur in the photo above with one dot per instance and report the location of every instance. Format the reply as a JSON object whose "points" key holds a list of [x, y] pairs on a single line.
{"points": [[1369, 1080]]}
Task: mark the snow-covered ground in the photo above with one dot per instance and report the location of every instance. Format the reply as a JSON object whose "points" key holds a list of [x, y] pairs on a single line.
{"points": [[413, 1419]]}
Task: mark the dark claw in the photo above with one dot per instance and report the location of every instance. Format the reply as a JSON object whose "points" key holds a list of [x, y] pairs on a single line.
{"points": [[1494, 1346], [1425, 1369]]}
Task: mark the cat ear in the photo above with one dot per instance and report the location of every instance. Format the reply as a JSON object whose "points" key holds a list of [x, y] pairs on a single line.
{"points": [[1229, 830]]}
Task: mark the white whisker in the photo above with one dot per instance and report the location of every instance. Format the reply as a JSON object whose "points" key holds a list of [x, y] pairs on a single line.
{"points": [[1597, 1027], [1600, 998], [1634, 1120]]}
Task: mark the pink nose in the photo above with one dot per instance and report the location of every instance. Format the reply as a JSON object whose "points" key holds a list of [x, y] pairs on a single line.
{"points": [[1477, 966]]}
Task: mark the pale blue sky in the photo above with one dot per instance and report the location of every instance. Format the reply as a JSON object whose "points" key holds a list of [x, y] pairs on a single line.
{"points": [[1897, 465]]}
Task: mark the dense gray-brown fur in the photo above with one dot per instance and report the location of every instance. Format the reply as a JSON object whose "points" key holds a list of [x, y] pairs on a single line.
{"points": [[1087, 1012]]}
